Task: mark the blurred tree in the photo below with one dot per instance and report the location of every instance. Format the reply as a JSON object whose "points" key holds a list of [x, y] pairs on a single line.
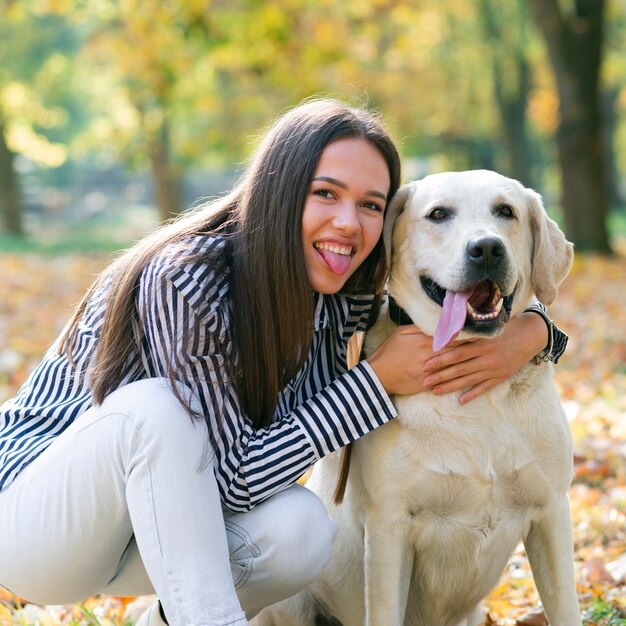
{"points": [[144, 44], [505, 29], [574, 40], [10, 200], [614, 103], [171, 85], [191, 76], [39, 107], [610, 97]]}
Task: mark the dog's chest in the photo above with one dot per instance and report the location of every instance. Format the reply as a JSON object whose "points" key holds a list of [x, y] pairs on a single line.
{"points": [[459, 494], [460, 474]]}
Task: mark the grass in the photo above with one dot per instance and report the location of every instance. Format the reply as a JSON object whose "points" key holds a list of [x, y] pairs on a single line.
{"points": [[63, 245], [105, 232], [600, 610]]}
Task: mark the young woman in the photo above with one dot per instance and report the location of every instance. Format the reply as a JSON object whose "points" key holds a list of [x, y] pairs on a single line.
{"points": [[156, 447]]}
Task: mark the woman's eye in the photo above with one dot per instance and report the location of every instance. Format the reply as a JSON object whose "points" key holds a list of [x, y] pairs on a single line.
{"points": [[324, 193], [505, 210], [438, 213], [374, 206]]}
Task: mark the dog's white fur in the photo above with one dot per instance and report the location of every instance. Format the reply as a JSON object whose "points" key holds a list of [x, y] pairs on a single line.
{"points": [[438, 499]]}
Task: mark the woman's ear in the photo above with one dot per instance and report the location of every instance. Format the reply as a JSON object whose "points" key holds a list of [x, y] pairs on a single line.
{"points": [[553, 255], [394, 210]]}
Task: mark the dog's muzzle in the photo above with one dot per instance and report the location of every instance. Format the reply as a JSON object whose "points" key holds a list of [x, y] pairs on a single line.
{"points": [[487, 308]]}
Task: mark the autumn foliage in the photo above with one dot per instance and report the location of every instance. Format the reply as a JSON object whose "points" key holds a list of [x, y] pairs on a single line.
{"points": [[36, 296]]}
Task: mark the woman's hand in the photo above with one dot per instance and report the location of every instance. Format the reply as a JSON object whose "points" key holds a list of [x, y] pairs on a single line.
{"points": [[399, 361], [480, 364], [405, 362]]}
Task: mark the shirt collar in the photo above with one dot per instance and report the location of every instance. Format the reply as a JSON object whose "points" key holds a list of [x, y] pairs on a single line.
{"points": [[321, 316]]}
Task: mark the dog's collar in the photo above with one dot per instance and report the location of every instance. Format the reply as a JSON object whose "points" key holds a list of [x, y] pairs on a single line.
{"points": [[397, 314]]}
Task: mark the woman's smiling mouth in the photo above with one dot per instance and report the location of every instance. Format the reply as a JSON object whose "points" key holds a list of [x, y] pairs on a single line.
{"points": [[336, 256]]}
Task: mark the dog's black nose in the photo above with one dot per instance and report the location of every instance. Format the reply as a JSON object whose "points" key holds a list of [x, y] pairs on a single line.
{"points": [[485, 252]]}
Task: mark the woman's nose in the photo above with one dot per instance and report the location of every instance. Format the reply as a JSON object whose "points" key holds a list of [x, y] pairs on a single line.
{"points": [[346, 218]]}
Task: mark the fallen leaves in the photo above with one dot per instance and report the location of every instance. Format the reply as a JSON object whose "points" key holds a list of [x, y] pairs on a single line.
{"points": [[37, 295], [534, 617]]}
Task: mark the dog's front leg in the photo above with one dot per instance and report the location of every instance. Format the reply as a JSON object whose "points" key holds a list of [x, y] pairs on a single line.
{"points": [[388, 564], [549, 547]]}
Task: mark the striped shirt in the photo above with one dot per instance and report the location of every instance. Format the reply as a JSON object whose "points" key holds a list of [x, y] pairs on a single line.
{"points": [[324, 407]]}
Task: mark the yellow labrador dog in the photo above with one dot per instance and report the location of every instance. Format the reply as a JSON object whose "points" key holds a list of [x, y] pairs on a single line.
{"points": [[438, 499]]}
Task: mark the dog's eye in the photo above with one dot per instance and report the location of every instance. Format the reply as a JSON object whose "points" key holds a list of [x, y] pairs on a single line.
{"points": [[438, 213], [505, 210]]}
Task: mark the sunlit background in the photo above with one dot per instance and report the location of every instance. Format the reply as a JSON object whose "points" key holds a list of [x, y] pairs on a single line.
{"points": [[115, 114]]}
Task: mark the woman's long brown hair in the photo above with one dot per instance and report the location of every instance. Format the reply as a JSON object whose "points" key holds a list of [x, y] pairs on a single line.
{"points": [[261, 220]]}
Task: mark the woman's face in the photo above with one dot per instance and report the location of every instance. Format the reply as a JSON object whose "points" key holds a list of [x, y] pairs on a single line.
{"points": [[343, 213]]}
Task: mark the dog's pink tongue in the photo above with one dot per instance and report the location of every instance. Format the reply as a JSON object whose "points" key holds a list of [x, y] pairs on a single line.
{"points": [[338, 263], [452, 319]]}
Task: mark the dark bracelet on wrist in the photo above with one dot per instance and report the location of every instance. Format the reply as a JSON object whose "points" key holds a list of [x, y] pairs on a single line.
{"points": [[546, 355]]}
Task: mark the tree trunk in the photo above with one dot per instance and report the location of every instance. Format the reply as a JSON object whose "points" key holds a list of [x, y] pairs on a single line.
{"points": [[575, 51], [10, 202], [511, 93], [513, 113], [166, 183]]}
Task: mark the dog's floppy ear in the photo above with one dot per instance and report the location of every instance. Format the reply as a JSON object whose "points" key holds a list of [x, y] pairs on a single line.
{"points": [[553, 255], [394, 210]]}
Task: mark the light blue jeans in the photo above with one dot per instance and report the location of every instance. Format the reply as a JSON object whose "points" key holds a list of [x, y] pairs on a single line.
{"points": [[125, 503]]}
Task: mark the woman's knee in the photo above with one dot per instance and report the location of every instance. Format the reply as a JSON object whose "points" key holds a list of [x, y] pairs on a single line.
{"points": [[295, 534], [154, 408], [279, 547], [147, 424], [309, 538], [149, 395]]}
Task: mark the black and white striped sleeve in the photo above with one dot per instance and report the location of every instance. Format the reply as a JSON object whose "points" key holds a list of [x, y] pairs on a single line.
{"points": [[557, 339], [183, 320]]}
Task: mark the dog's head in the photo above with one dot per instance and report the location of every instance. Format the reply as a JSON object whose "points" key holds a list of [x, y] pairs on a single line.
{"points": [[469, 249]]}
